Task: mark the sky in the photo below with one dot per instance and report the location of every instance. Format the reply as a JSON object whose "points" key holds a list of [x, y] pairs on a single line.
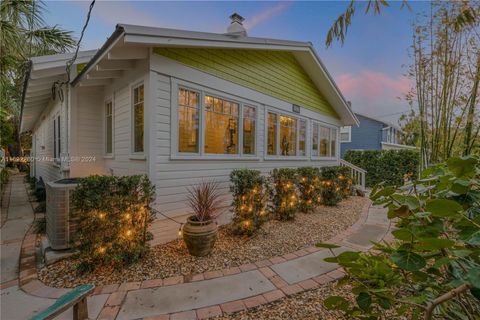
{"points": [[369, 67]]}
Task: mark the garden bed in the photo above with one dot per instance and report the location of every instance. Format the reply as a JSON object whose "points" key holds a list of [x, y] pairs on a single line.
{"points": [[172, 259]]}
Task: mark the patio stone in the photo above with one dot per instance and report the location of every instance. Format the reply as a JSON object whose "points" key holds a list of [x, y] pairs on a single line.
{"points": [[306, 267], [193, 295], [366, 234]]}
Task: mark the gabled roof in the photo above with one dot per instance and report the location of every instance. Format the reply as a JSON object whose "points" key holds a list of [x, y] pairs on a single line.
{"points": [[43, 72], [132, 42], [386, 123]]}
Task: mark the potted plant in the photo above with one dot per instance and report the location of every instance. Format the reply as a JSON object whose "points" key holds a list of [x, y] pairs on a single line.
{"points": [[200, 230]]}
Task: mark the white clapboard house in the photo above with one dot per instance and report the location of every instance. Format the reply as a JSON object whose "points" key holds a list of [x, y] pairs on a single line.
{"points": [[182, 107]]}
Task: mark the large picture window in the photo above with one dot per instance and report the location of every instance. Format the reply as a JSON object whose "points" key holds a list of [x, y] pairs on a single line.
{"points": [[138, 119], [324, 141], [292, 135], [221, 126], [108, 128], [288, 136], [272, 134], [188, 120]]}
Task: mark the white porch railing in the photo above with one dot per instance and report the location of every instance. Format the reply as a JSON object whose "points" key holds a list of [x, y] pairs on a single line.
{"points": [[357, 173]]}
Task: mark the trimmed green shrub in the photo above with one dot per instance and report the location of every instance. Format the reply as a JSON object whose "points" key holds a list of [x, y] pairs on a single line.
{"points": [[388, 166], [331, 192], [344, 181], [250, 195], [284, 196], [309, 188], [112, 215]]}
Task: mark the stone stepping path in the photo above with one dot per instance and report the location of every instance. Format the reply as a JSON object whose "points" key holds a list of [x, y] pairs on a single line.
{"points": [[206, 295]]}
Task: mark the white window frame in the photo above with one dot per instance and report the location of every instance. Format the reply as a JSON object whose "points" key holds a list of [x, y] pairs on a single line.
{"points": [[346, 129], [278, 156], [329, 126], [107, 101], [201, 154], [139, 154]]}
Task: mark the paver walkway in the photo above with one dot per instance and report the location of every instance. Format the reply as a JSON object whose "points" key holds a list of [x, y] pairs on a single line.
{"points": [[197, 296]]}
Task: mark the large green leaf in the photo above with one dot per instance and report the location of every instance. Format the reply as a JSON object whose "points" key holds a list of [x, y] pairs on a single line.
{"points": [[408, 260], [474, 239], [403, 234], [473, 276], [336, 303], [462, 167], [443, 207], [364, 301], [326, 245], [434, 244], [410, 201]]}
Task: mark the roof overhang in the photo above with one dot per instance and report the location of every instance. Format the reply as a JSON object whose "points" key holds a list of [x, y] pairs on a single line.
{"points": [[129, 43], [41, 74]]}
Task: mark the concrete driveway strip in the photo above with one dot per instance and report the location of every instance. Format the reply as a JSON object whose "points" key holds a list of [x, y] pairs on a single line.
{"points": [[188, 296]]}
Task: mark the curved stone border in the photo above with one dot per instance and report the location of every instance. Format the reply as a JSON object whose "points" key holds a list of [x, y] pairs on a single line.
{"points": [[29, 281]]}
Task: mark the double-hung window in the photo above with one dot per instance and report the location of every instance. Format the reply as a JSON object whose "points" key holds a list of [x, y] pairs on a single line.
{"points": [[212, 125], [109, 128], [138, 119], [324, 141], [286, 135]]}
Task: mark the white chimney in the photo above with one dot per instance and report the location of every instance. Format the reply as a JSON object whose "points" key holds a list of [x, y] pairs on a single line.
{"points": [[236, 27]]}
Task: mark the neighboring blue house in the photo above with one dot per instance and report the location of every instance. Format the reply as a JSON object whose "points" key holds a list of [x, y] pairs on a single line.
{"points": [[372, 134]]}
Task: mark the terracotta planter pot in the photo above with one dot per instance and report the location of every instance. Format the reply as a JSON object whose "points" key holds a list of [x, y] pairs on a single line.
{"points": [[199, 236]]}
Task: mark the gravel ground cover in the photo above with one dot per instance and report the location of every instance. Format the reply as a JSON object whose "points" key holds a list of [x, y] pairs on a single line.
{"points": [[172, 259]]}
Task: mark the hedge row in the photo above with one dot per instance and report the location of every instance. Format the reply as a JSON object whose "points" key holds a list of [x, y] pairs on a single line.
{"points": [[286, 191], [389, 166]]}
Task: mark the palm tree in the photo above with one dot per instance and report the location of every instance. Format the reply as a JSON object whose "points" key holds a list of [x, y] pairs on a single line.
{"points": [[23, 34]]}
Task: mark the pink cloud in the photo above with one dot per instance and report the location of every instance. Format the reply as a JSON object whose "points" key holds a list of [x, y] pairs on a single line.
{"points": [[372, 84], [375, 93]]}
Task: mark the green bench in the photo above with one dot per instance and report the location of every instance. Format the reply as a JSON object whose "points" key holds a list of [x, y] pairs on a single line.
{"points": [[76, 298]]}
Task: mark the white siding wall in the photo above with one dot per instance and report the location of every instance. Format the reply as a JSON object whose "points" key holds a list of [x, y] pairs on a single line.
{"points": [[122, 162], [87, 156], [173, 176], [43, 140]]}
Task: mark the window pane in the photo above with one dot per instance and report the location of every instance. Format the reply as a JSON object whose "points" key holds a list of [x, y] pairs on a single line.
{"points": [[333, 143], [248, 130], [288, 136], [324, 141], [302, 139], [108, 128], [138, 128], [315, 129], [272, 134], [138, 118], [188, 120], [221, 128]]}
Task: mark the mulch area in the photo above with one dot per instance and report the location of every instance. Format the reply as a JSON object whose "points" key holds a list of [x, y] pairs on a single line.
{"points": [[276, 238]]}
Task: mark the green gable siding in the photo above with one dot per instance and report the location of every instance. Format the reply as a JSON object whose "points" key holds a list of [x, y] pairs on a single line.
{"points": [[276, 73]]}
